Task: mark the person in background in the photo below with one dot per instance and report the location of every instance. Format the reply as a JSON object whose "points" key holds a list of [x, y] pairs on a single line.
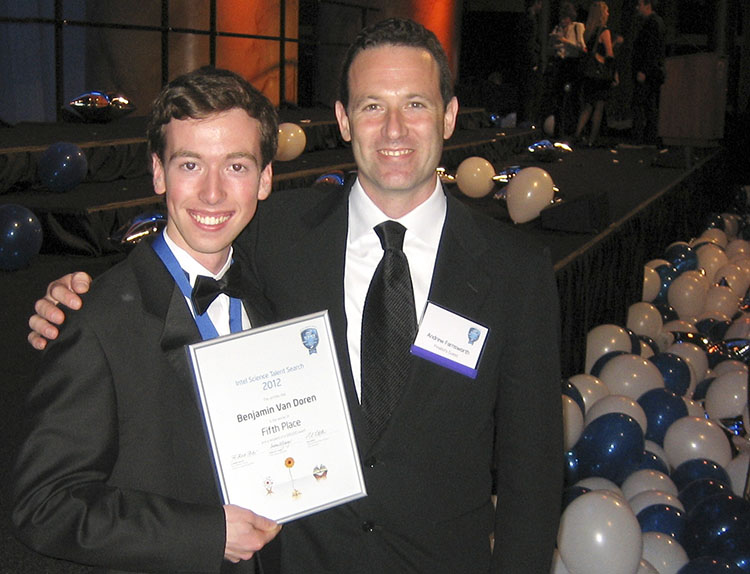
{"points": [[435, 442], [115, 469], [568, 45], [596, 92], [649, 51], [529, 63]]}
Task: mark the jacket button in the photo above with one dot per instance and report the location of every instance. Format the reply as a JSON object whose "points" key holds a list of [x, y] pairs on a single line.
{"points": [[368, 526], [371, 462]]}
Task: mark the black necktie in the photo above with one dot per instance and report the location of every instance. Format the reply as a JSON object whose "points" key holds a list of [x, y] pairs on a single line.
{"points": [[389, 325], [206, 289]]}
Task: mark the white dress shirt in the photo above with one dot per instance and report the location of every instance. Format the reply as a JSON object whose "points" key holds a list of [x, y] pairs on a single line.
{"points": [[424, 226], [218, 310]]}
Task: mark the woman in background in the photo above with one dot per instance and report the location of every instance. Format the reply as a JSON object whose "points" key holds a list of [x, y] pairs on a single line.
{"points": [[567, 42], [596, 92]]}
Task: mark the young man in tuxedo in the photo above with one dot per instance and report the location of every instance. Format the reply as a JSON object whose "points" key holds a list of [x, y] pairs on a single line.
{"points": [[446, 436], [115, 469]]}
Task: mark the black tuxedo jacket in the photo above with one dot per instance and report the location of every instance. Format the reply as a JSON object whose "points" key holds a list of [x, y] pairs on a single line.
{"points": [[115, 470], [429, 476]]}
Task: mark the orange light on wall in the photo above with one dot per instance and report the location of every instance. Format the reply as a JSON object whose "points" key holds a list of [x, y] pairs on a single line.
{"points": [[443, 18]]}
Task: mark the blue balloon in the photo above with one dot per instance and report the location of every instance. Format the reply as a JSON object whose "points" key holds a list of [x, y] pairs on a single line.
{"points": [[650, 342], [708, 565], [682, 256], [697, 468], [334, 179], [741, 561], [698, 490], [62, 166], [667, 274], [635, 342], [718, 526], [675, 371], [572, 470], [20, 236], [715, 220], [611, 446], [663, 518], [667, 311], [598, 365], [662, 408], [653, 462], [570, 390], [712, 328]]}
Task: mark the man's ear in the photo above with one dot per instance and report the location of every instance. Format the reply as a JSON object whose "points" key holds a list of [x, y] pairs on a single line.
{"points": [[449, 119], [159, 179], [343, 121], [266, 180]]}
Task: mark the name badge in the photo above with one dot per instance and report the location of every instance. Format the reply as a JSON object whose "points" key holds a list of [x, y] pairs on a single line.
{"points": [[450, 340]]}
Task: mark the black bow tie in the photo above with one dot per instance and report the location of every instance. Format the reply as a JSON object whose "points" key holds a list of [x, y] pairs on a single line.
{"points": [[206, 289]]}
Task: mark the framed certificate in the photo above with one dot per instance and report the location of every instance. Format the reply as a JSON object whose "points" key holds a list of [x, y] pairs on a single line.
{"points": [[277, 418]]}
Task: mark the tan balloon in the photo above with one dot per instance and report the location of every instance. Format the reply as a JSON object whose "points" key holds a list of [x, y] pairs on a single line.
{"points": [[722, 299], [292, 141], [474, 177], [530, 191], [687, 295], [644, 319], [651, 283]]}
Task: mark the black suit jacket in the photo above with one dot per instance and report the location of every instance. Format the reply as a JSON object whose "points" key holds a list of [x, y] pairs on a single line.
{"points": [[115, 470], [429, 476]]}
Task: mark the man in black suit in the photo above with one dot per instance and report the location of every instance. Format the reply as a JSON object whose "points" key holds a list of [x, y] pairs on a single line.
{"points": [[649, 73], [115, 469], [452, 433]]}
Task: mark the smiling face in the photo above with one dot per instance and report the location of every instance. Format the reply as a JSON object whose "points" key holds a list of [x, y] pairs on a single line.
{"points": [[212, 178], [396, 121]]}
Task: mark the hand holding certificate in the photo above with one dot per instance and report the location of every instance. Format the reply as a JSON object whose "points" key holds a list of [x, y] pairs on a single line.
{"points": [[277, 419]]}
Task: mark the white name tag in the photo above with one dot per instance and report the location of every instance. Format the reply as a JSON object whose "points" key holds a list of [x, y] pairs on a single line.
{"points": [[450, 340]]}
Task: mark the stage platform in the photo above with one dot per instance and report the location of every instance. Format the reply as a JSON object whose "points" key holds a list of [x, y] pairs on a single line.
{"points": [[648, 199]]}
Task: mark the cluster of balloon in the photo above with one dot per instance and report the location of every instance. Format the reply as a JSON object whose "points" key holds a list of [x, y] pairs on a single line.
{"points": [[138, 228], [292, 141], [528, 190], [62, 166], [657, 449], [334, 178], [545, 150], [20, 236], [100, 107]]}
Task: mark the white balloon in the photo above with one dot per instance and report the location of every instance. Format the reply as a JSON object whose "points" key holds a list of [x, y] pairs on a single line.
{"points": [[737, 471], [549, 125], [727, 395], [652, 497], [695, 409], [680, 326], [604, 339], [591, 388], [474, 176], [644, 319], [738, 329], [646, 350], [663, 552], [530, 191], [722, 299], [711, 257], [689, 438], [645, 567], [600, 483], [714, 235], [572, 422], [647, 479], [735, 277], [737, 249], [631, 375], [729, 366], [617, 404], [597, 528], [687, 296], [651, 283]]}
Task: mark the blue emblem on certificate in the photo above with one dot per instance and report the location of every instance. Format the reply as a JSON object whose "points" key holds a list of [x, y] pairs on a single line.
{"points": [[474, 335], [310, 339]]}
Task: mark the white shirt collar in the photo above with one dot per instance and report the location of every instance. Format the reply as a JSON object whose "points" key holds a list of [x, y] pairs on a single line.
{"points": [[422, 221], [190, 265]]}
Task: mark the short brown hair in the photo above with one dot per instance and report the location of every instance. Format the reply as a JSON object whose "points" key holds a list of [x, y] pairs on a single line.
{"points": [[206, 91], [397, 32]]}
